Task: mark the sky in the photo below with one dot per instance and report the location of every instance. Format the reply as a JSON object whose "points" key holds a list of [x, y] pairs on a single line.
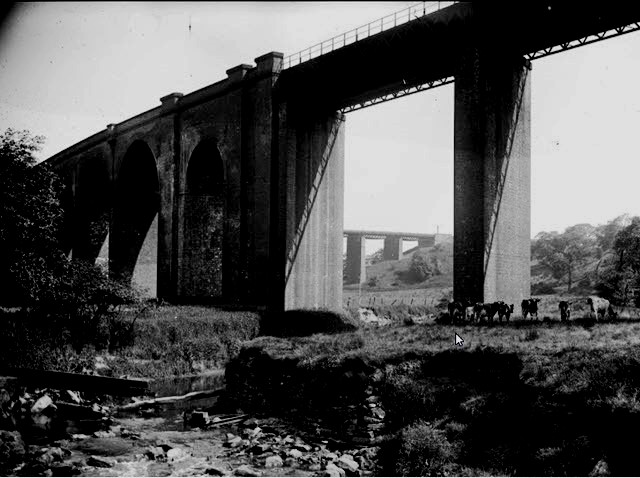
{"points": [[69, 69]]}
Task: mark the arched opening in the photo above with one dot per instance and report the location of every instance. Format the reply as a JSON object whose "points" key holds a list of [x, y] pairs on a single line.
{"points": [[203, 224], [92, 210], [133, 252]]}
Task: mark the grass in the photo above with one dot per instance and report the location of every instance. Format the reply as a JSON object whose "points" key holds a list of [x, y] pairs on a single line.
{"points": [[167, 341], [526, 398], [181, 340]]}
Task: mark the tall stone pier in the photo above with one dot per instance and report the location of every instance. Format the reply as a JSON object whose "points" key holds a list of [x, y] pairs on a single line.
{"points": [[492, 169]]}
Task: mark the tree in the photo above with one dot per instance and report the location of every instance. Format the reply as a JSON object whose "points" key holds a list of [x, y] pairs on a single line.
{"points": [[620, 277], [30, 215], [563, 253], [71, 296]]}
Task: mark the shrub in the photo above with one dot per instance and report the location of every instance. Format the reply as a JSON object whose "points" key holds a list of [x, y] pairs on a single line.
{"points": [[423, 451], [542, 288], [373, 281]]}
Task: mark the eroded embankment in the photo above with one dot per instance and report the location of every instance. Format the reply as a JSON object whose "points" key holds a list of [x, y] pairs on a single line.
{"points": [[460, 412]]}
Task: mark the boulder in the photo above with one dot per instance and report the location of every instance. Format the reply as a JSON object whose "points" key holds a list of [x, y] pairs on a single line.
{"points": [[332, 470], [273, 462], [246, 470], [346, 462], [98, 462]]}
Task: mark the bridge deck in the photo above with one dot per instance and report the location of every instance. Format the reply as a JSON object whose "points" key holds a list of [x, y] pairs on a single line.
{"points": [[429, 48]]}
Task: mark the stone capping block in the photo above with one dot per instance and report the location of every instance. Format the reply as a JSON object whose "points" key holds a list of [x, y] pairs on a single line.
{"points": [[270, 62], [171, 99], [237, 72]]}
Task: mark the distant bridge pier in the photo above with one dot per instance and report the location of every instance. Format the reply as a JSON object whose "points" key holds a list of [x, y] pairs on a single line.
{"points": [[492, 172], [392, 248], [356, 272]]}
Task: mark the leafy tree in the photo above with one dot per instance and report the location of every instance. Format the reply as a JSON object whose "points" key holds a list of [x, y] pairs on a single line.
{"points": [[75, 296], [620, 277], [563, 253], [30, 215]]}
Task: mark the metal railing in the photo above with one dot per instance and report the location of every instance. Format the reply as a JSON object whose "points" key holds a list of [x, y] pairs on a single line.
{"points": [[365, 31]]}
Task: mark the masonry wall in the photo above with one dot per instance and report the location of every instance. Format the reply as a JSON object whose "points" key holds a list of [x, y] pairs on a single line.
{"points": [[492, 178], [311, 157]]}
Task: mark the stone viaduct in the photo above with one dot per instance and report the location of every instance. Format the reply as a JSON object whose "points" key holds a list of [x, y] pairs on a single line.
{"points": [[241, 183], [392, 250]]}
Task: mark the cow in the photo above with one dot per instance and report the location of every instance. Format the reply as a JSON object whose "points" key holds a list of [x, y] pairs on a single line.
{"points": [[504, 310], [469, 314], [530, 307], [459, 309], [487, 309], [565, 310], [599, 306]]}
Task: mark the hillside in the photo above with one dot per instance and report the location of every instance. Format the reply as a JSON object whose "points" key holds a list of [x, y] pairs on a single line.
{"points": [[395, 274]]}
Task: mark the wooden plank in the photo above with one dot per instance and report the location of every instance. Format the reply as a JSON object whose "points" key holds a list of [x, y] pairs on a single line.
{"points": [[173, 399], [78, 382]]}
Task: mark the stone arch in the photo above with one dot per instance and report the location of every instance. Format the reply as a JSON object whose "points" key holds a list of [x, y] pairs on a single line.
{"points": [[91, 209], [133, 248], [203, 219]]}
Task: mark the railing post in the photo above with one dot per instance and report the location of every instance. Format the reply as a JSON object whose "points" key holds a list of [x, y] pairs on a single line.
{"points": [[395, 19]]}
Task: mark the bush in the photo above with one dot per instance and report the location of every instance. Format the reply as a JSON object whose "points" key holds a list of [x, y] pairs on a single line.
{"points": [[424, 451], [373, 281], [420, 269], [304, 322], [542, 288]]}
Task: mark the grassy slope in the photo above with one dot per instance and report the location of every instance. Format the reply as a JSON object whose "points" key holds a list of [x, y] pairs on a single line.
{"points": [[576, 388]]}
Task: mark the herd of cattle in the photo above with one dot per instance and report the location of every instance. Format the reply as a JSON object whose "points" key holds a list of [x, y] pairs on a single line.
{"points": [[465, 311]]}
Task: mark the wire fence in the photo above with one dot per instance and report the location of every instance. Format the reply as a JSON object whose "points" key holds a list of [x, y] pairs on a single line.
{"points": [[365, 31], [373, 300]]}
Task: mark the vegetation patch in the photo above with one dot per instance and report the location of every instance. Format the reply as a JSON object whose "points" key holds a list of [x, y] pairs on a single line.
{"points": [[523, 399]]}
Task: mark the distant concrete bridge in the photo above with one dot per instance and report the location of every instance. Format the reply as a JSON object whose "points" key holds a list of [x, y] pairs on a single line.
{"points": [[234, 193], [392, 250]]}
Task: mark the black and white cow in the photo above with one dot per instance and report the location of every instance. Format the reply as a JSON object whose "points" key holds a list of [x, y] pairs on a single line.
{"points": [[599, 306], [530, 307]]}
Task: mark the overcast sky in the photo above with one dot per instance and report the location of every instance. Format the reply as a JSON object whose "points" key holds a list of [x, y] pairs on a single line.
{"points": [[69, 69]]}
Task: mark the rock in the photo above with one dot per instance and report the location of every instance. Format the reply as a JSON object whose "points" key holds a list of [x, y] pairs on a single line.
{"points": [[314, 467], [104, 434], [175, 454], [373, 399], [273, 462], [331, 456], [346, 462], [379, 413], [79, 436], [12, 450], [233, 442], [213, 471], [246, 470], [332, 470], [291, 462], [260, 448], [601, 469], [42, 404], [65, 469], [155, 453], [129, 434], [250, 423], [302, 446], [294, 453], [198, 418], [98, 462]]}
